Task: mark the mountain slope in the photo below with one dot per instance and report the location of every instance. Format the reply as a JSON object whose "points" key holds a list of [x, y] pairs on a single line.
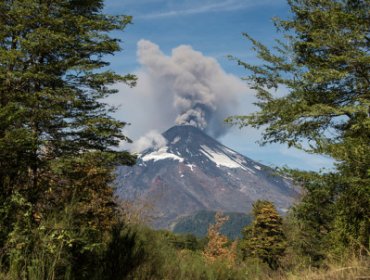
{"points": [[195, 172], [198, 223]]}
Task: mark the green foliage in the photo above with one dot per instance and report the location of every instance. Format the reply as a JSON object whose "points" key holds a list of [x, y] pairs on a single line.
{"points": [[134, 252], [58, 140], [184, 241], [154, 257], [310, 224], [125, 253], [265, 238], [324, 65]]}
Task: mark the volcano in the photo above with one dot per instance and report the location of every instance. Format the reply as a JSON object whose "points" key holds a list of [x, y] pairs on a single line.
{"points": [[194, 172]]}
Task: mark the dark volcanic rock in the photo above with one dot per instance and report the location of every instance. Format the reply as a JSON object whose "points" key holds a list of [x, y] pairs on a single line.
{"points": [[195, 172]]}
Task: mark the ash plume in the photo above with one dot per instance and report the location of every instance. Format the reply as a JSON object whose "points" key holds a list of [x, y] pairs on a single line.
{"points": [[190, 86], [153, 139]]}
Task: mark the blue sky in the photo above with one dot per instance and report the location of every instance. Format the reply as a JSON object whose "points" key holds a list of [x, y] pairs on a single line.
{"points": [[214, 29]]}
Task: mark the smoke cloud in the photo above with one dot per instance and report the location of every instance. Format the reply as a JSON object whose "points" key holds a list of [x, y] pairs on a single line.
{"points": [[184, 87], [153, 139], [191, 87]]}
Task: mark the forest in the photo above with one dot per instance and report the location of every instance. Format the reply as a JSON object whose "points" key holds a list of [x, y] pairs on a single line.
{"points": [[59, 147]]}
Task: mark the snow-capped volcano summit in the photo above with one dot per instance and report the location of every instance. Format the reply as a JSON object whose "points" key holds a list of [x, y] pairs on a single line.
{"points": [[195, 172]]}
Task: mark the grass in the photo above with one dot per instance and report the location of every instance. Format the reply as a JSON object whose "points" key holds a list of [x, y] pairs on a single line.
{"points": [[167, 264], [355, 268]]}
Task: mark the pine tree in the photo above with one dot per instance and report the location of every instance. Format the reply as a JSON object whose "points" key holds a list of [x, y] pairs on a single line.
{"points": [[58, 140], [324, 65], [264, 238]]}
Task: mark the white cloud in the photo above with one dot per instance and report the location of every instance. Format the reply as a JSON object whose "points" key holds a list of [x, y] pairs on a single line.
{"points": [[153, 139]]}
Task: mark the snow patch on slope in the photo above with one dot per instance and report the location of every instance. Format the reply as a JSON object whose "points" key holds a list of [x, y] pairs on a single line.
{"points": [[221, 159], [191, 166], [160, 155], [227, 150], [177, 139], [250, 170]]}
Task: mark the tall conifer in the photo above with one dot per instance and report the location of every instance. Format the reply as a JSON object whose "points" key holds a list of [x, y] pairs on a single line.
{"points": [[58, 140], [323, 65], [264, 238]]}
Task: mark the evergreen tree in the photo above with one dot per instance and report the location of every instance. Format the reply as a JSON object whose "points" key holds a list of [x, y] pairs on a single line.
{"points": [[58, 141], [264, 238], [324, 65], [310, 224]]}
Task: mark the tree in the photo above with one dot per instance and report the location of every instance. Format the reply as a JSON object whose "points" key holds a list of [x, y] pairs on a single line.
{"points": [[264, 238], [217, 248], [58, 141], [309, 225], [324, 65]]}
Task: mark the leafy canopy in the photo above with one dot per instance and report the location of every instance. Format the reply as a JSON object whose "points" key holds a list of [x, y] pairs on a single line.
{"points": [[323, 63], [58, 139]]}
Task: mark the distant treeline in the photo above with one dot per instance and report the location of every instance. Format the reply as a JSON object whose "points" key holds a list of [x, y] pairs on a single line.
{"points": [[198, 223]]}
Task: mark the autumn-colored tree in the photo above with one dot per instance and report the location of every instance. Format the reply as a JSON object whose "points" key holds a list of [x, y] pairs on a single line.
{"points": [[264, 238], [217, 248]]}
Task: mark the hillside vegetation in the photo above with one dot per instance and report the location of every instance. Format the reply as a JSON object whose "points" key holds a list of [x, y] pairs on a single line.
{"points": [[198, 223]]}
